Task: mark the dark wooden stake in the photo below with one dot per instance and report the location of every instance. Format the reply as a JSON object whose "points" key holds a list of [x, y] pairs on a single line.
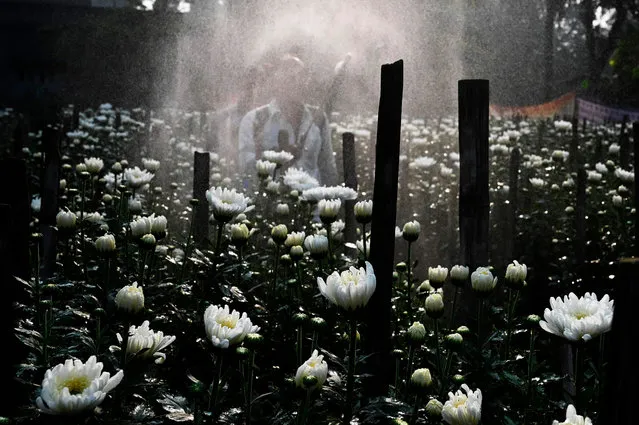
{"points": [[474, 204], [201, 176], [49, 206], [635, 138], [621, 377], [14, 251], [350, 179], [378, 331]]}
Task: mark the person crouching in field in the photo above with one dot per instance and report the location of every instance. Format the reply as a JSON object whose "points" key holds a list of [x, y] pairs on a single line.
{"points": [[287, 123]]}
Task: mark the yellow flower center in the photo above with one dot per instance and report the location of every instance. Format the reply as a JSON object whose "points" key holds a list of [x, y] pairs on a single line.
{"points": [[75, 384], [459, 402], [312, 364], [227, 321], [580, 315]]}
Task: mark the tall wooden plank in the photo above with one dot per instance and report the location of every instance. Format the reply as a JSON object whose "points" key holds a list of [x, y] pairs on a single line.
{"points": [[378, 331], [474, 204], [350, 180]]}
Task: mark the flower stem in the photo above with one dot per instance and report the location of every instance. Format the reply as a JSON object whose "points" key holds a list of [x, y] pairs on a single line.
{"points": [[299, 279], [305, 406], [578, 377], [509, 324], [275, 271], [452, 312], [125, 344], [364, 240], [299, 344], [409, 365], [479, 314], [529, 387], [413, 416], [218, 242], [216, 382], [251, 364], [187, 247], [348, 414], [409, 289], [438, 347]]}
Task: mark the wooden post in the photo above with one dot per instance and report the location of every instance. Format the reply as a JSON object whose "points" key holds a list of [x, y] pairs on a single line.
{"points": [[49, 208], [14, 251], [635, 136], [350, 179], [513, 185], [580, 218], [474, 204], [201, 175], [620, 384], [624, 144], [378, 331]]}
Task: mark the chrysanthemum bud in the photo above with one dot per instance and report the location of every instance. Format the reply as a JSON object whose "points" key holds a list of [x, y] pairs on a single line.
{"points": [[282, 209], [81, 168], [421, 378], [278, 233], [458, 378], [242, 352], [397, 353], [107, 199], [434, 408], [416, 333], [401, 267], [411, 231], [364, 211], [299, 319], [318, 324], [116, 168], [239, 234], [310, 381], [459, 275], [463, 330], [296, 253], [434, 306], [533, 320], [105, 244], [453, 341], [66, 220], [130, 298], [253, 340], [148, 241], [516, 275], [286, 260]]}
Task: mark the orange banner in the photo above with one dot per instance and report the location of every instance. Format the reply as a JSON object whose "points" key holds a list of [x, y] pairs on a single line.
{"points": [[563, 105]]}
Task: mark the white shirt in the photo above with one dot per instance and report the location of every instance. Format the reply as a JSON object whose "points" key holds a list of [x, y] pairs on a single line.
{"points": [[260, 128]]}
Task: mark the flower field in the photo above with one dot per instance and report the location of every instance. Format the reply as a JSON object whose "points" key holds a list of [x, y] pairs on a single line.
{"points": [[148, 314]]}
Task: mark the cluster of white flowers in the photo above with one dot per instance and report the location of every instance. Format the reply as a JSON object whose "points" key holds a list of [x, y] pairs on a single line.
{"points": [[342, 193]]}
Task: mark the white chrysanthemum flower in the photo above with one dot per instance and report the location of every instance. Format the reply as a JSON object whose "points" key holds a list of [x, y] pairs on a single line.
{"points": [[328, 209], [136, 178], [562, 125], [225, 328], [94, 165], [75, 387], [299, 180], [226, 203], [623, 175], [130, 298], [342, 193], [463, 409], [314, 366], [294, 239], [280, 158], [316, 244], [537, 182], [437, 276], [482, 280], [560, 155], [36, 204], [105, 244], [351, 289], [614, 148], [516, 273], [65, 220], [578, 318], [158, 224], [140, 227], [572, 418], [265, 168], [145, 343], [151, 165], [422, 163], [594, 176], [601, 168], [459, 273]]}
